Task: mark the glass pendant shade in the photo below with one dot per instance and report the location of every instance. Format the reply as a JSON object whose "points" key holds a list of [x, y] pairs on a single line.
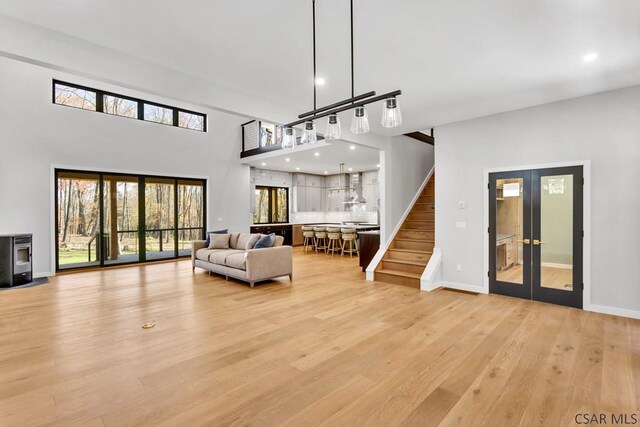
{"points": [[309, 135], [289, 139], [360, 121], [334, 130], [391, 115]]}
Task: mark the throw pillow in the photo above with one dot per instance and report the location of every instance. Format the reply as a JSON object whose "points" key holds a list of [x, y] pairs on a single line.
{"points": [[266, 241], [219, 241], [206, 243], [247, 241]]}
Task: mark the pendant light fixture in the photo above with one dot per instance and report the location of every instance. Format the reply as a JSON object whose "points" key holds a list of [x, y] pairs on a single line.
{"points": [[334, 129], [360, 121], [309, 135], [289, 138], [391, 116]]}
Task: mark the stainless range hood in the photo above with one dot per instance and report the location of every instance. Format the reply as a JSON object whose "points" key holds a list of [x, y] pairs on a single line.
{"points": [[356, 197]]}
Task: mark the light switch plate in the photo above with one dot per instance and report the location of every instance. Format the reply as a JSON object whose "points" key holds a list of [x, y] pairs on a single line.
{"points": [[461, 204], [459, 267], [461, 225]]}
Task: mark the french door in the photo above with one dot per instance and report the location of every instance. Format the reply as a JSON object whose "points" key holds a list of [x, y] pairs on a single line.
{"points": [[108, 219], [535, 234]]}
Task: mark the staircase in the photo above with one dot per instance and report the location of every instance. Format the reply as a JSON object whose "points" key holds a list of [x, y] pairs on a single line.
{"points": [[410, 251]]}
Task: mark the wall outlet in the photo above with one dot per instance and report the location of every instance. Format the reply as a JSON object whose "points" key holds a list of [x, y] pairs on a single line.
{"points": [[461, 224], [459, 267]]}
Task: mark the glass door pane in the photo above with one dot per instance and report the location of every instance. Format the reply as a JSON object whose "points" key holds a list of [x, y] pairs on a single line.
{"points": [[78, 219], [261, 207], [509, 227], [160, 219], [121, 237], [190, 214], [556, 232]]}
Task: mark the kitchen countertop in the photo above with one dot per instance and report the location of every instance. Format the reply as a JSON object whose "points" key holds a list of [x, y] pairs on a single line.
{"points": [[370, 232], [321, 224]]}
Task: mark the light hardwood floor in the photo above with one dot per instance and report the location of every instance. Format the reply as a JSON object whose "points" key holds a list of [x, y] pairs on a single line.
{"points": [[329, 348]]}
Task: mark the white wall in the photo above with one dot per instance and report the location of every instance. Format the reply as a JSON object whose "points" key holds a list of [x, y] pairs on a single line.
{"points": [[36, 134], [405, 164], [603, 128]]}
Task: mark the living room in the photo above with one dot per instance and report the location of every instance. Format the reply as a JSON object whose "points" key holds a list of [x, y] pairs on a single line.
{"points": [[117, 158]]}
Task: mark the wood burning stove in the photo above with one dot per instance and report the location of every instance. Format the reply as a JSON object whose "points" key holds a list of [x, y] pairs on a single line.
{"points": [[16, 266]]}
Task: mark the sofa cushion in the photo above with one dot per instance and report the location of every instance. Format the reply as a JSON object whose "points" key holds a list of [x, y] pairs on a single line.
{"points": [[265, 241], [237, 260], [206, 243], [203, 254], [219, 241], [218, 256], [233, 240], [279, 241], [247, 241]]}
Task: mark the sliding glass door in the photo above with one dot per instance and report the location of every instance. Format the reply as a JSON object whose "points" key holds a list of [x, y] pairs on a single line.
{"points": [[110, 219]]}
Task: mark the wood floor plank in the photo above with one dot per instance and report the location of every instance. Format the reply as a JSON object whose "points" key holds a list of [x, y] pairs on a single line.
{"points": [[328, 348]]}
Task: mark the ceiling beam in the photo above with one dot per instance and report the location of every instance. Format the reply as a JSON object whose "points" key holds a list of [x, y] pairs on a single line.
{"points": [[420, 136]]}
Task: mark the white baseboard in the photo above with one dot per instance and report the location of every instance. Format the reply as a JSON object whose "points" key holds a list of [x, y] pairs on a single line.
{"points": [[44, 274], [623, 312]]}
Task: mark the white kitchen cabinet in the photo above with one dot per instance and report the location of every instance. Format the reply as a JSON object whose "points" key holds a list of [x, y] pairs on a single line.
{"points": [[299, 199], [314, 181], [299, 179], [313, 199]]}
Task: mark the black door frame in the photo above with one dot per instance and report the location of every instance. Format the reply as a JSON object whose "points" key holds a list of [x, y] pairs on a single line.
{"points": [[531, 287]]}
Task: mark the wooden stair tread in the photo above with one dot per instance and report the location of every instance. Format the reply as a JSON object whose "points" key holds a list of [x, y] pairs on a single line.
{"points": [[404, 239], [404, 261], [399, 273], [415, 251]]}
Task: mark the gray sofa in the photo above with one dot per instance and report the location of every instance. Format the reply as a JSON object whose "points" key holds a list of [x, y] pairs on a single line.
{"points": [[247, 264]]}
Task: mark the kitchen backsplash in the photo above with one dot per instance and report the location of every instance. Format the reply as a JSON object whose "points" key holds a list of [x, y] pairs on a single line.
{"points": [[305, 217]]}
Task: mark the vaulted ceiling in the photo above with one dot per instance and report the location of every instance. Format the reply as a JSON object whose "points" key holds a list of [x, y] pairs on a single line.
{"points": [[453, 59]]}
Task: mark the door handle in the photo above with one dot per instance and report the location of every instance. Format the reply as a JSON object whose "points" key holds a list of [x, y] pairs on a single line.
{"points": [[538, 242], [525, 241]]}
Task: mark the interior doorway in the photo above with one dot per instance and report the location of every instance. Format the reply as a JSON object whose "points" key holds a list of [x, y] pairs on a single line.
{"points": [[536, 234]]}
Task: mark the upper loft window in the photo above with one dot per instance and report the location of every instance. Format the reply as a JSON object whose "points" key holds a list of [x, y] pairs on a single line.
{"points": [[120, 106], [191, 121], [77, 96], [74, 97], [158, 114]]}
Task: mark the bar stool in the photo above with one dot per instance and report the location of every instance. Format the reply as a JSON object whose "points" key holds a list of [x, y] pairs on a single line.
{"points": [[349, 235], [333, 234], [320, 238], [309, 238]]}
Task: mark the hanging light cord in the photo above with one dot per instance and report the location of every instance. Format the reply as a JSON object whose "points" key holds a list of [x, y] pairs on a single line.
{"points": [[353, 94], [315, 96]]}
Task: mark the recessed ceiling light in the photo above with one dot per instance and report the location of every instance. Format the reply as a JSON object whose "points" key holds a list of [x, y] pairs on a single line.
{"points": [[287, 159], [350, 169], [316, 154], [297, 169], [264, 164], [590, 57], [353, 147], [326, 172], [377, 166], [320, 81]]}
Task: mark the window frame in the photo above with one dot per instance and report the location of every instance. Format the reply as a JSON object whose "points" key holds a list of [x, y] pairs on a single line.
{"points": [[100, 94], [273, 193]]}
